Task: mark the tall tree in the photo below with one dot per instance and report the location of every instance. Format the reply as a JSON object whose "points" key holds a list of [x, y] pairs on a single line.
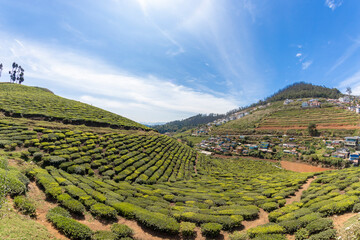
{"points": [[348, 91], [1, 68], [17, 73]]}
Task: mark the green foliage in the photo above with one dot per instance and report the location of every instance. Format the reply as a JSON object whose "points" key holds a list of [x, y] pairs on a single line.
{"points": [[104, 235], [239, 236], [270, 206], [25, 206], [103, 211], [121, 230], [187, 229], [270, 228], [70, 227], [302, 234], [319, 225], [325, 235], [211, 229]]}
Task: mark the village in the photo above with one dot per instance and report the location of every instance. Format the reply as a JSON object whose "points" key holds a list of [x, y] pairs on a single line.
{"points": [[316, 150]]}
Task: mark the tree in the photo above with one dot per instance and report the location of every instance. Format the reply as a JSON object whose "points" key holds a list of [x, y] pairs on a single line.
{"points": [[1, 68], [17, 73], [312, 130], [348, 91]]}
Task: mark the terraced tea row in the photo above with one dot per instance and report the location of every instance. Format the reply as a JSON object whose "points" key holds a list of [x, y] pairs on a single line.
{"points": [[133, 158], [30, 102]]}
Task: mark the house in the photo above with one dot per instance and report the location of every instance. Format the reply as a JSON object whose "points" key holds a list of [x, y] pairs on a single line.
{"points": [[314, 103], [304, 105], [354, 157], [341, 153], [290, 145], [345, 99], [352, 141], [357, 109], [264, 145], [288, 101]]}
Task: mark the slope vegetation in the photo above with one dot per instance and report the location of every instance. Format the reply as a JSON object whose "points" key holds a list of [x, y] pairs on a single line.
{"points": [[281, 118], [38, 103]]}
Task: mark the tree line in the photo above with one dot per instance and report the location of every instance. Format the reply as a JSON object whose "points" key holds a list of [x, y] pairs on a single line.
{"points": [[16, 73]]}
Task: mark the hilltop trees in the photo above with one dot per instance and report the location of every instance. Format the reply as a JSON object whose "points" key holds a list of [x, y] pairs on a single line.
{"points": [[17, 73]]}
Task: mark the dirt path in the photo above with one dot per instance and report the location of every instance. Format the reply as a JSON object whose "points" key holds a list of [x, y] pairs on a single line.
{"points": [[340, 220], [299, 193], [263, 219], [42, 208]]}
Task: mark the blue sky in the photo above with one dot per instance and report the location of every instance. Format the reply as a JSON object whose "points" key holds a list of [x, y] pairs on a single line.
{"points": [[161, 60]]}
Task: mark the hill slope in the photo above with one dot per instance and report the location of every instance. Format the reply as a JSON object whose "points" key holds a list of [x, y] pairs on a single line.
{"points": [[304, 90], [282, 118], [38, 103]]}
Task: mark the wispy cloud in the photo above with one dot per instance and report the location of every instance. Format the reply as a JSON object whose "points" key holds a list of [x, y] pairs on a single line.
{"points": [[306, 65], [348, 53], [353, 81], [142, 98], [333, 4], [298, 55]]}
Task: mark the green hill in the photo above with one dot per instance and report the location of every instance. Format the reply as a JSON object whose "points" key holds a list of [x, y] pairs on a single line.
{"points": [[293, 119], [304, 90], [41, 104]]}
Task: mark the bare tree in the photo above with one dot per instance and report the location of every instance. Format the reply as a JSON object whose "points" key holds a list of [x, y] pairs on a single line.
{"points": [[1, 68]]}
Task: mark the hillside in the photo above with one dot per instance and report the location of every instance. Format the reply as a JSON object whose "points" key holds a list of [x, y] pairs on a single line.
{"points": [[304, 90], [292, 118], [98, 182], [41, 104], [188, 123]]}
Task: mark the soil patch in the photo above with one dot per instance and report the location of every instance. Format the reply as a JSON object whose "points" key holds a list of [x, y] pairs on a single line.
{"points": [[299, 193], [301, 167], [341, 219], [263, 219]]}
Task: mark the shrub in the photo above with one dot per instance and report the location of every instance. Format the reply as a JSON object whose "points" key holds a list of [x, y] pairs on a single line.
{"points": [[305, 220], [319, 225], [342, 206], [103, 211], [356, 207], [38, 156], [325, 235], [104, 235], [239, 236], [269, 228], [187, 229], [16, 181], [211, 229], [270, 237], [270, 206], [25, 206], [291, 225], [121, 230], [70, 227], [73, 206], [302, 234]]}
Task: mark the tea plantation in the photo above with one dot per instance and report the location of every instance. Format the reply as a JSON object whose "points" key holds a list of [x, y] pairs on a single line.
{"points": [[38, 103]]}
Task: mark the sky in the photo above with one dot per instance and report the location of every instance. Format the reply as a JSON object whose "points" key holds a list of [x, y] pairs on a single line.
{"points": [[161, 60]]}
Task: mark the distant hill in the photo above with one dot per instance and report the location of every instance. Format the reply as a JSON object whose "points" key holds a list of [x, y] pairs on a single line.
{"points": [[41, 104], [187, 123], [304, 90]]}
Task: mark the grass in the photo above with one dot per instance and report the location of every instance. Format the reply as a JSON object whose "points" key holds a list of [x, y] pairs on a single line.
{"points": [[16, 226], [32, 102]]}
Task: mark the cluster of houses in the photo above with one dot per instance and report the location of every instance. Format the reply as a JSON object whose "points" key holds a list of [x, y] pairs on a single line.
{"points": [[347, 103], [312, 103], [238, 145]]}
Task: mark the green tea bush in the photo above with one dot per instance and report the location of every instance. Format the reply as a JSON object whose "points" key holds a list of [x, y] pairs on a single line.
{"points": [[269, 228], [270, 206], [187, 229], [239, 236], [103, 211], [270, 237], [291, 226], [16, 182], [302, 234], [340, 207], [356, 207], [70, 227], [25, 206], [73, 206], [325, 235], [319, 225], [104, 235], [211, 229], [121, 230]]}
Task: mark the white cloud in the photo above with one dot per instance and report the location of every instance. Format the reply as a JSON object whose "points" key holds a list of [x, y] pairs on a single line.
{"points": [[348, 53], [141, 98], [353, 82], [298, 55], [306, 64], [333, 4]]}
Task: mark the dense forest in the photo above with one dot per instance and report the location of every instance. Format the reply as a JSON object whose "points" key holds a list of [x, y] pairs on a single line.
{"points": [[304, 90], [187, 123]]}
